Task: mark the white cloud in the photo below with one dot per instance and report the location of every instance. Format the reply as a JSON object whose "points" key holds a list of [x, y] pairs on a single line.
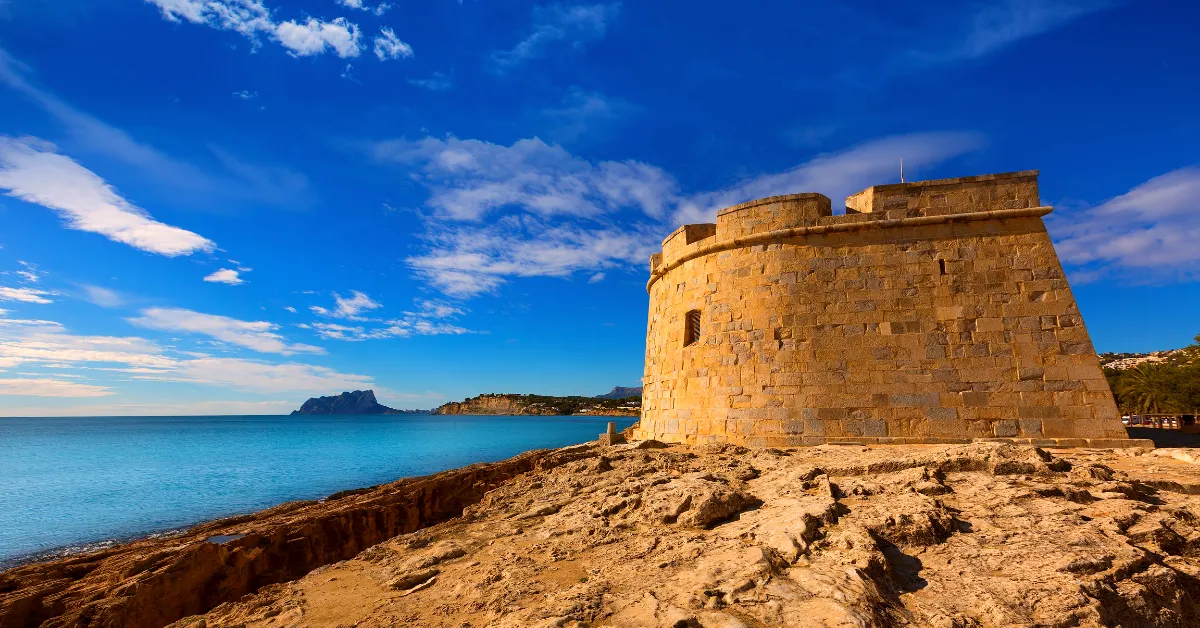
{"points": [[257, 335], [348, 307], [437, 309], [245, 94], [429, 319], [554, 23], [465, 261], [262, 377], [378, 9], [290, 309], [47, 343], [251, 18], [30, 274], [469, 178], [313, 37], [558, 209], [436, 82], [388, 46], [25, 295], [1146, 234], [51, 388], [597, 278], [102, 296], [226, 276], [33, 171]]}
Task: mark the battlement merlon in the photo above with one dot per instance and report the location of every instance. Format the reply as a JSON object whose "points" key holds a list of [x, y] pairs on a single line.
{"points": [[1001, 195], [1006, 190]]}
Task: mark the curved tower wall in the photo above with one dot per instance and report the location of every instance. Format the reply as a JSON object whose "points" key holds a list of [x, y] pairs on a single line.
{"points": [[934, 311]]}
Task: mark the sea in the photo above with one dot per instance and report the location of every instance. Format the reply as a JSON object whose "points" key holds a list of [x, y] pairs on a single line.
{"points": [[75, 484]]}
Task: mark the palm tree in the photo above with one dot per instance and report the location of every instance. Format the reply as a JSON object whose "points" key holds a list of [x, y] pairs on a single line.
{"points": [[1149, 389]]}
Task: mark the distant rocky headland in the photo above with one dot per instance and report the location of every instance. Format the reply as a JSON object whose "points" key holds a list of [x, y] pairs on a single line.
{"points": [[357, 402], [543, 405], [621, 401]]}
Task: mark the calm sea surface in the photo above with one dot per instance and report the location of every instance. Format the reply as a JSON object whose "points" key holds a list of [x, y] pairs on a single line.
{"points": [[72, 482]]}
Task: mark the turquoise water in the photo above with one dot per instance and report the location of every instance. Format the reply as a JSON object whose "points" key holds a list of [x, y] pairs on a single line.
{"points": [[67, 483]]}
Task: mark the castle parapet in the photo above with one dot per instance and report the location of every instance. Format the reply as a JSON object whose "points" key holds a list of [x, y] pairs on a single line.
{"points": [[1008, 190], [772, 214]]}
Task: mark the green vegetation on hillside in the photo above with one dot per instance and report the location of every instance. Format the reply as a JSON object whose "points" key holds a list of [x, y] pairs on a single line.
{"points": [[1166, 387], [573, 405]]}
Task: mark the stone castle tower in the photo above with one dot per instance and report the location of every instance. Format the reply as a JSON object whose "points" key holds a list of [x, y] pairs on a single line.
{"points": [[930, 312]]}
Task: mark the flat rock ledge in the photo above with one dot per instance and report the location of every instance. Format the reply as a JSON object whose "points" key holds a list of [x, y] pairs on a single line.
{"points": [[643, 534], [985, 534]]}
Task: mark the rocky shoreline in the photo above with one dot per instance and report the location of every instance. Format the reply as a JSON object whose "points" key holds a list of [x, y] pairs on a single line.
{"points": [[984, 534], [155, 581]]}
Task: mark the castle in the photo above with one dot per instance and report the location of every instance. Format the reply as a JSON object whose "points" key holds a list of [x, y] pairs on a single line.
{"points": [[930, 312]]}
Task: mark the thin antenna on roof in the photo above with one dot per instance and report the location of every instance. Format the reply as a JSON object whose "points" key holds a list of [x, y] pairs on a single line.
{"points": [[902, 169]]}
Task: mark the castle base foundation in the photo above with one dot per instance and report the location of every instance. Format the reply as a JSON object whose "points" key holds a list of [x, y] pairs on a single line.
{"points": [[810, 441]]}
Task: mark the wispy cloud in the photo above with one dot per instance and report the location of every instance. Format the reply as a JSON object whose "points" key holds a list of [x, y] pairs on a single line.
{"points": [[262, 377], [102, 296], [1148, 234], [260, 336], [581, 111], [47, 345], [378, 9], [245, 94], [469, 178], [33, 171], [970, 31], [388, 46], [252, 19], [558, 212], [350, 307], [275, 185], [436, 82], [46, 342], [30, 274], [1000, 24], [467, 260], [25, 295], [430, 318], [572, 24], [227, 276], [50, 388]]}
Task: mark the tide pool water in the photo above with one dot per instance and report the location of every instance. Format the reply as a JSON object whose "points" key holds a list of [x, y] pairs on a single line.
{"points": [[72, 482]]}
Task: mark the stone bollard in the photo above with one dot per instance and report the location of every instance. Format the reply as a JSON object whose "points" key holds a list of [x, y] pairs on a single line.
{"points": [[611, 437]]}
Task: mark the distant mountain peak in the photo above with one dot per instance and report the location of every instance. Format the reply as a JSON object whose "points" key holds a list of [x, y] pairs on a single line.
{"points": [[621, 392]]}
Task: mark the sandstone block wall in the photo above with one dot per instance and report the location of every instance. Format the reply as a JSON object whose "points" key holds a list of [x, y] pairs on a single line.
{"points": [[933, 311]]}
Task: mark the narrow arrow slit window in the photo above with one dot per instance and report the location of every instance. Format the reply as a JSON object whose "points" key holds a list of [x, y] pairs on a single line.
{"points": [[691, 328]]}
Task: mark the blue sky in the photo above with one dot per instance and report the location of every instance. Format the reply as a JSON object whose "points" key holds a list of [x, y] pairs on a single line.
{"points": [[228, 206]]}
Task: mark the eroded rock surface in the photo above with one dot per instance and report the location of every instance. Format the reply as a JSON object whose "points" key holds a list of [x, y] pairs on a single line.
{"points": [[947, 536]]}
